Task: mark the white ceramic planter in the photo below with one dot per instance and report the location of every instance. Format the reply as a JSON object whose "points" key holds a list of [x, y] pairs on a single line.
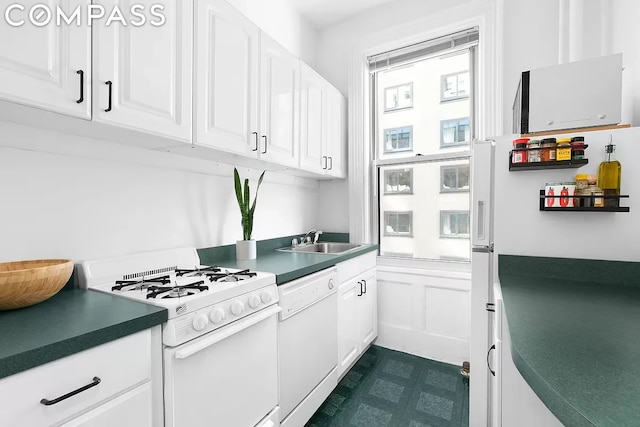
{"points": [[246, 250]]}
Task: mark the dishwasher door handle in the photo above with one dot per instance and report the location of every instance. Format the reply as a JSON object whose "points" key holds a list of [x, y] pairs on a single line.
{"points": [[225, 332]]}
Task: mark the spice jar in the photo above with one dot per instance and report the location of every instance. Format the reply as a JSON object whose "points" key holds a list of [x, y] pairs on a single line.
{"points": [[533, 154], [594, 191], [519, 153], [581, 185], [548, 150], [577, 148], [563, 149]]}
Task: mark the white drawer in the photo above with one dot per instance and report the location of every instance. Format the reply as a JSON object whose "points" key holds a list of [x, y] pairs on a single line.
{"points": [[120, 365], [354, 266]]}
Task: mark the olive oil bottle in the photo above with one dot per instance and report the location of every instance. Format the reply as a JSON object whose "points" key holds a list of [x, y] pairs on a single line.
{"points": [[609, 176]]}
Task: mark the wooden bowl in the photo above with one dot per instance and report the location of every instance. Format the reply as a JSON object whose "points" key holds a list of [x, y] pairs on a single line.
{"points": [[25, 283]]}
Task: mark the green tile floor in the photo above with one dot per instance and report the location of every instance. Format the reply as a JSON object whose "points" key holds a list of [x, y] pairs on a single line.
{"points": [[391, 388]]}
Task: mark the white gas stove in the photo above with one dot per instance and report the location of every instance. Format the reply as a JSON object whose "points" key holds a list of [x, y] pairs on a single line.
{"points": [[199, 298]]}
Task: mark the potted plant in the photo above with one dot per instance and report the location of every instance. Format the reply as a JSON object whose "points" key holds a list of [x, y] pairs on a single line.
{"points": [[246, 248]]}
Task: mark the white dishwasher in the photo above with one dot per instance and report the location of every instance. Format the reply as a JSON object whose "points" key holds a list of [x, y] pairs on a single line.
{"points": [[307, 345]]}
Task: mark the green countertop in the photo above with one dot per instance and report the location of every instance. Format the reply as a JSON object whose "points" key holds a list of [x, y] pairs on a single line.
{"points": [[67, 323], [575, 335], [286, 266]]}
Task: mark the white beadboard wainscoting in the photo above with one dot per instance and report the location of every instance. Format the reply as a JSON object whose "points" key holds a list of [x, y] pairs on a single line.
{"points": [[424, 312]]}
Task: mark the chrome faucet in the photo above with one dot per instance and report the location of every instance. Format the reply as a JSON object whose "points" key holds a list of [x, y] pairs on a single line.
{"points": [[316, 234]]}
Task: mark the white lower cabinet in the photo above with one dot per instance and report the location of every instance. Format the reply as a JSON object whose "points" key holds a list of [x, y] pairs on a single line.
{"points": [[513, 402], [111, 384], [357, 309]]}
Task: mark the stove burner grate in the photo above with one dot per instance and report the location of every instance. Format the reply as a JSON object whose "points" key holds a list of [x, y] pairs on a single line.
{"points": [[137, 285], [176, 291], [196, 271], [227, 276]]}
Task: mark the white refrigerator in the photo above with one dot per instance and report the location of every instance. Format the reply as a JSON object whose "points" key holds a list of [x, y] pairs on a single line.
{"points": [[506, 219]]}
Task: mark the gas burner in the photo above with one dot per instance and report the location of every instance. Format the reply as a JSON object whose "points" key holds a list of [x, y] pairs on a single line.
{"points": [[176, 291], [226, 276], [198, 271], [137, 285]]}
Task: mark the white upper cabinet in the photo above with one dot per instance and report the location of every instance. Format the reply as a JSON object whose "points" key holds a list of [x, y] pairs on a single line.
{"points": [[142, 74], [226, 78], [280, 103], [336, 141], [323, 126], [313, 118], [48, 67]]}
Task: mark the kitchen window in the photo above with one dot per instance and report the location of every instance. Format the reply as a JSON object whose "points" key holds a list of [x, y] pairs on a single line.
{"points": [[398, 97], [398, 181], [398, 139], [398, 224], [455, 132], [409, 158], [454, 178], [454, 86], [454, 224]]}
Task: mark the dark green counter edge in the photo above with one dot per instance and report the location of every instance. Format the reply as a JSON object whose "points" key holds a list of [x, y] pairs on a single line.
{"points": [[601, 272]]}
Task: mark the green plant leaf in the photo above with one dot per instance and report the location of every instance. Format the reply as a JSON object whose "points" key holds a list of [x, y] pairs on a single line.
{"points": [[253, 206], [244, 199], [236, 178]]}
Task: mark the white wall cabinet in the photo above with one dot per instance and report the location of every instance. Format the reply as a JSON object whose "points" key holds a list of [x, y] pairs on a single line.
{"points": [[247, 87], [226, 79], [323, 143], [117, 396], [357, 309], [142, 74], [47, 67]]}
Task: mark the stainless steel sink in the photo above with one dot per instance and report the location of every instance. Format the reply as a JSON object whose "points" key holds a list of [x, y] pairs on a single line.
{"points": [[322, 248]]}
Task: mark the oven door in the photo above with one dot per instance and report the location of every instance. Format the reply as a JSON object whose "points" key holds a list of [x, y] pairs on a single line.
{"points": [[225, 378]]}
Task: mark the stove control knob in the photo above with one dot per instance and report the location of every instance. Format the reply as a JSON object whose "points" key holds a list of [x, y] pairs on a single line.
{"points": [[266, 297], [254, 301], [216, 316], [237, 308], [200, 322]]}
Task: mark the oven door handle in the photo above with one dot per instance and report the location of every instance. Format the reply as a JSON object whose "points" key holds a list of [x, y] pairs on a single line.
{"points": [[217, 336]]}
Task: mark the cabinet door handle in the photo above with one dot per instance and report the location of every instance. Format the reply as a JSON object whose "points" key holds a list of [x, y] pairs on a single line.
{"points": [[490, 307], [360, 294], [256, 136], [110, 84], [93, 383], [324, 159], [493, 347], [330, 162], [265, 144], [81, 74], [365, 285]]}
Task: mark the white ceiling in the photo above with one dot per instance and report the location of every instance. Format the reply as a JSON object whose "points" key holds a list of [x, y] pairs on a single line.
{"points": [[325, 13]]}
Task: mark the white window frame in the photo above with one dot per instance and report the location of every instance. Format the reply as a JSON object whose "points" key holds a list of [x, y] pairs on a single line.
{"points": [[456, 97], [457, 235], [398, 233], [397, 150], [396, 87], [457, 168], [457, 122]]}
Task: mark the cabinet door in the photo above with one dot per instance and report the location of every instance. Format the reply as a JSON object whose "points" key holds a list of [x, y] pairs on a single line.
{"points": [[348, 341], [280, 103], [313, 121], [144, 72], [130, 409], [226, 78], [336, 141], [39, 66], [368, 310]]}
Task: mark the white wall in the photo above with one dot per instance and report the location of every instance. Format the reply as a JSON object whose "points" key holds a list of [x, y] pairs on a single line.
{"points": [[108, 199], [278, 19]]}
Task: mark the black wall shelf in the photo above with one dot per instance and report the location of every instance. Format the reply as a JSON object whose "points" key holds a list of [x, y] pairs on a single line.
{"points": [[562, 164], [543, 207]]}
